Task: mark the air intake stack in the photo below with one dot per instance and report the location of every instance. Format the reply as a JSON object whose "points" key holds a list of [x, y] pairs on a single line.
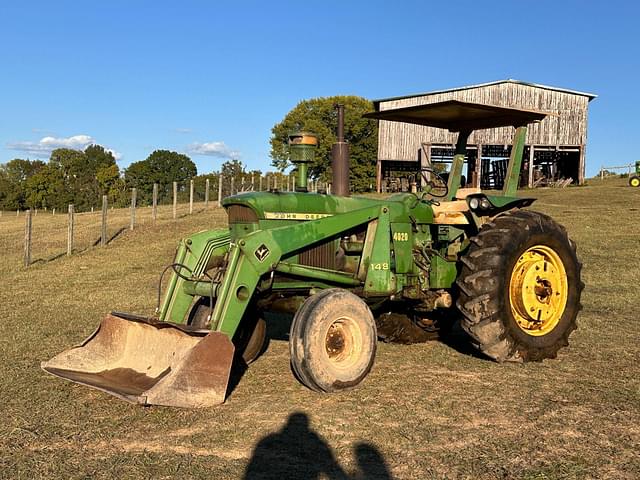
{"points": [[302, 148], [340, 159]]}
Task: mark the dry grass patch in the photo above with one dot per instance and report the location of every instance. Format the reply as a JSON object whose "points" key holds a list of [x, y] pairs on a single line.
{"points": [[426, 411]]}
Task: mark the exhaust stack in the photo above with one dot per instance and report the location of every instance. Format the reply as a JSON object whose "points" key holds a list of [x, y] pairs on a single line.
{"points": [[340, 159]]}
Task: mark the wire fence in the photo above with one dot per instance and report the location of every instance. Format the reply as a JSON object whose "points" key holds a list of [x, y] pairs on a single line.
{"points": [[51, 234], [621, 170]]}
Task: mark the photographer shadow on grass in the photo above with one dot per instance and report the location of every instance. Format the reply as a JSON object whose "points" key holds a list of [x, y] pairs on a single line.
{"points": [[296, 451]]}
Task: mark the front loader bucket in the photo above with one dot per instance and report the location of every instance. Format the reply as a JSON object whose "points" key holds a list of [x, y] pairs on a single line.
{"points": [[150, 363]]}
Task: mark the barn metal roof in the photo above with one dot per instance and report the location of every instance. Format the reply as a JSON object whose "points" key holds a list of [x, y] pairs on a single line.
{"points": [[591, 96], [456, 115]]}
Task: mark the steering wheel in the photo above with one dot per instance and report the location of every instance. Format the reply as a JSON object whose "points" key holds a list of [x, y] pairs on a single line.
{"points": [[437, 184]]}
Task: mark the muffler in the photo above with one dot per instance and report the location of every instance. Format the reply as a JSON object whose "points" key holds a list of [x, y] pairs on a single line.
{"points": [[150, 363]]}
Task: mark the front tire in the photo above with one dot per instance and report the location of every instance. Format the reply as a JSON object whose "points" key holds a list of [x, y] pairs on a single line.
{"points": [[520, 288], [634, 181], [332, 341], [250, 339]]}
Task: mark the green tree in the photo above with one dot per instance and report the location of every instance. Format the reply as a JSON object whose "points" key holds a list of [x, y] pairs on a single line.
{"points": [[83, 173], [162, 167], [13, 178], [47, 189], [318, 116]]}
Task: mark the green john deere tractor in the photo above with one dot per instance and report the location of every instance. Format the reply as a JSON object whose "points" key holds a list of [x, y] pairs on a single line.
{"points": [[509, 274], [634, 178]]}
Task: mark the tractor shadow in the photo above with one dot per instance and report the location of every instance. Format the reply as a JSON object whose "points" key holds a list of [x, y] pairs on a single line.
{"points": [[297, 451]]}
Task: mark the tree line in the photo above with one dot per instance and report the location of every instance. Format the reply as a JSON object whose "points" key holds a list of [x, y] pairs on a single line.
{"points": [[82, 177]]}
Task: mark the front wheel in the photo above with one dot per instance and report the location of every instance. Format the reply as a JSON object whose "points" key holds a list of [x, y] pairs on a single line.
{"points": [[634, 181], [520, 288], [332, 341], [250, 339]]}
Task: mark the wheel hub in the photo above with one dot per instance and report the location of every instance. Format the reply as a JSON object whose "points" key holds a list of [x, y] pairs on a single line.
{"points": [[538, 290], [343, 342]]}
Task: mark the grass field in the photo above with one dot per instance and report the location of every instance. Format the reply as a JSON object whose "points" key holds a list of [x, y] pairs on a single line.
{"points": [[426, 411]]}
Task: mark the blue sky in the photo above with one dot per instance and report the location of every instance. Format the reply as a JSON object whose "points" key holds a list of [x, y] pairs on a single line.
{"points": [[212, 78]]}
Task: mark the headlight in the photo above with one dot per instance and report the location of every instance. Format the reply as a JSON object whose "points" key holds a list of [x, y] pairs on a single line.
{"points": [[484, 204], [473, 203]]}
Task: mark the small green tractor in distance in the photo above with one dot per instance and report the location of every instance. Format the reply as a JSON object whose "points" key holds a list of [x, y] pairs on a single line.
{"points": [[510, 275], [634, 178]]}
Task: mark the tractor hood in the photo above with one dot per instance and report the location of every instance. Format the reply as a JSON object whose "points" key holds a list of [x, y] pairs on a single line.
{"points": [[312, 206]]}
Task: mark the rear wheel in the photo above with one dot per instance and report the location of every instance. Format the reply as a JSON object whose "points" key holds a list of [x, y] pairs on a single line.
{"points": [[332, 341], [520, 288], [634, 181]]}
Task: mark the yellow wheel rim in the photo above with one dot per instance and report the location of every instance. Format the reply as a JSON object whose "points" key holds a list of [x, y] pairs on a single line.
{"points": [[538, 290], [635, 182]]}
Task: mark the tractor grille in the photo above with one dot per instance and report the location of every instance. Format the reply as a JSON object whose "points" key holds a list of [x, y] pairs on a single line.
{"points": [[323, 255], [241, 214]]}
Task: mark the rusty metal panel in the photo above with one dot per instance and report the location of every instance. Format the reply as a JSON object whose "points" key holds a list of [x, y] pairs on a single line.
{"points": [[241, 214]]}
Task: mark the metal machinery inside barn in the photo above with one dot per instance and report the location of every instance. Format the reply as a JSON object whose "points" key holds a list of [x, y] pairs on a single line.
{"points": [[554, 151]]}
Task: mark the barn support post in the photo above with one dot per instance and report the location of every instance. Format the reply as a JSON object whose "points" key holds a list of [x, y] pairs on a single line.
{"points": [[379, 176], [477, 170], [531, 156], [581, 164]]}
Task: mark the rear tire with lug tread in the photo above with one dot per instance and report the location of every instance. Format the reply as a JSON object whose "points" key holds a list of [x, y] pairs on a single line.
{"points": [[332, 341], [520, 287]]}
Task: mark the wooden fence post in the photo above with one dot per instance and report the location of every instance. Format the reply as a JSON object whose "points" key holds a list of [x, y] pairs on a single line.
{"points": [[134, 195], [154, 211], [260, 183], [27, 239], [253, 185], [70, 230], [175, 200], [206, 193], [103, 231], [232, 187], [53, 212], [190, 197], [219, 190]]}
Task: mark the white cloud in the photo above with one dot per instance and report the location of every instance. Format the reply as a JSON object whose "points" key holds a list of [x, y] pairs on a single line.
{"points": [[213, 149], [44, 147]]}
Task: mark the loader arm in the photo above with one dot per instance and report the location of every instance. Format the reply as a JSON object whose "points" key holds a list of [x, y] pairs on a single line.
{"points": [[260, 253]]}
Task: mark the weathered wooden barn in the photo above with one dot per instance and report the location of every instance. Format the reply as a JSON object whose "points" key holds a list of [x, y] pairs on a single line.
{"points": [[555, 147]]}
